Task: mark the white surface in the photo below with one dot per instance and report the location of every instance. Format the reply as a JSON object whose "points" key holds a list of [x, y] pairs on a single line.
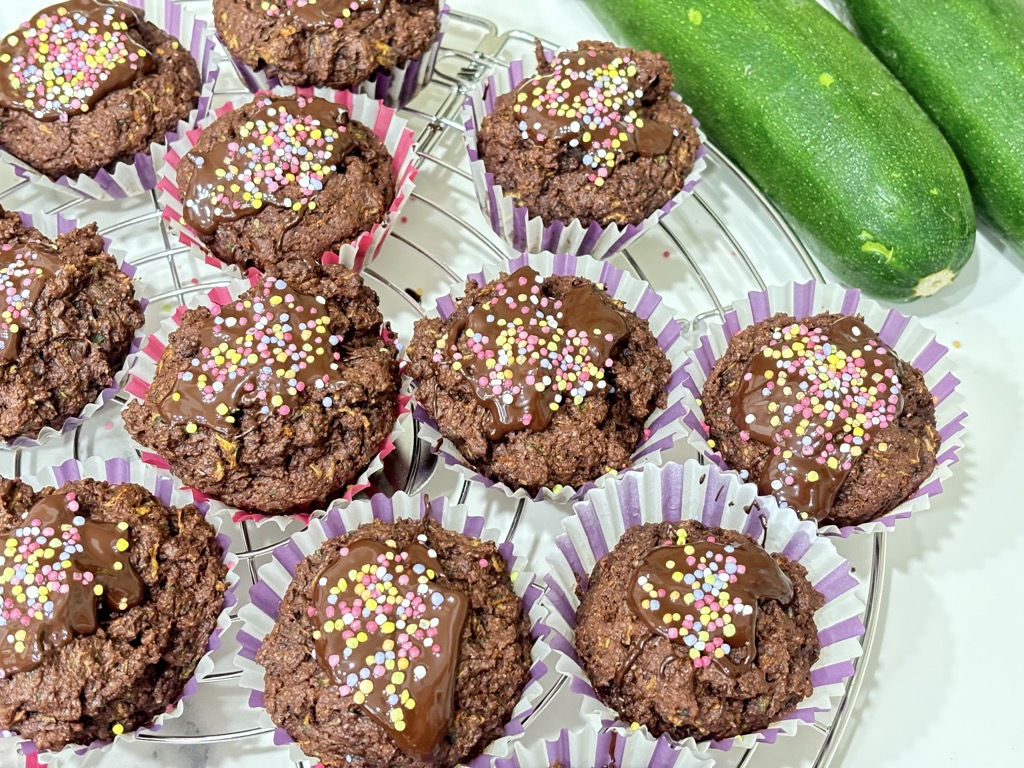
{"points": [[942, 690]]}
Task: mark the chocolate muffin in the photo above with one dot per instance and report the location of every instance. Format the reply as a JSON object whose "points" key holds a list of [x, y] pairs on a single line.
{"points": [[87, 83], [278, 401], [697, 632], [101, 629], [281, 180], [596, 135], [67, 319], [823, 416], [399, 645], [326, 43], [560, 400]]}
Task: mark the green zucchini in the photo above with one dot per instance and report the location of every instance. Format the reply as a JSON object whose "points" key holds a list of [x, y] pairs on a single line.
{"points": [[963, 60], [823, 128]]}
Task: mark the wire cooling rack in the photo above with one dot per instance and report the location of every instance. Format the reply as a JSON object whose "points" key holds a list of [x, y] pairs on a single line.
{"points": [[720, 243]]}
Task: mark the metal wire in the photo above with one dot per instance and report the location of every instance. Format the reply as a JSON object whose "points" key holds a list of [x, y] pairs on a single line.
{"points": [[441, 128]]}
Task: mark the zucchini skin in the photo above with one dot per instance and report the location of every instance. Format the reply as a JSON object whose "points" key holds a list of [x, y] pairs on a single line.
{"points": [[830, 136], [963, 60]]}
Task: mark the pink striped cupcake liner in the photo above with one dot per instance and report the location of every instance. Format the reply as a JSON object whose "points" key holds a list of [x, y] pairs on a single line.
{"points": [[274, 578], [142, 370], [595, 748], [514, 224], [140, 175], [395, 87], [905, 335], [664, 427], [170, 493], [386, 125], [52, 226], [693, 491]]}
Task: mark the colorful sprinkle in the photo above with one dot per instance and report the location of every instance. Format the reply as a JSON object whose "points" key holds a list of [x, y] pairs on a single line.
{"points": [[24, 270], [69, 56]]}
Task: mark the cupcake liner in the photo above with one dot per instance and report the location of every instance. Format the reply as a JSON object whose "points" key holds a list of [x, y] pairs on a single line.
{"points": [[142, 367], [275, 576], [52, 225], [170, 493], [129, 178], [396, 88], [692, 491], [592, 748], [387, 126], [664, 426], [905, 335], [514, 224]]}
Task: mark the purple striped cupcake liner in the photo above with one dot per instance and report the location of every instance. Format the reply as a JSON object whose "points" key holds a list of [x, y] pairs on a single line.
{"points": [[905, 335], [396, 87], [387, 125], [664, 426], [129, 178], [693, 491], [589, 748], [170, 493], [140, 370], [274, 578], [513, 223], [51, 226]]}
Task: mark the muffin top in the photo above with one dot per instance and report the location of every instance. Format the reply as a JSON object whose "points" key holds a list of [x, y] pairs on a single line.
{"points": [[283, 179], [596, 135], [67, 319], [326, 43], [101, 627], [697, 632], [823, 415], [277, 399], [85, 83], [539, 381], [428, 677]]}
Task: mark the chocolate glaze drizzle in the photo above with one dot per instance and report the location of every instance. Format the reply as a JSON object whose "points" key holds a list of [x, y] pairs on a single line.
{"points": [[24, 270], [705, 595], [595, 101], [529, 355], [282, 156], [388, 634], [816, 397], [69, 56], [335, 13], [258, 353], [55, 567]]}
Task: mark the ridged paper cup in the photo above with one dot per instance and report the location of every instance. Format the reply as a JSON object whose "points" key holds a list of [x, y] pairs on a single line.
{"points": [[139, 175], [274, 578], [395, 87], [664, 426], [905, 335], [170, 493], [143, 367], [392, 130], [587, 748], [513, 223], [691, 491], [52, 225]]}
